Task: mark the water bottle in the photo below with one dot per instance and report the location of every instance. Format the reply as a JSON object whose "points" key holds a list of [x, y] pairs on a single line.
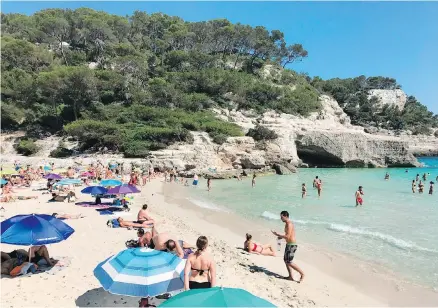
{"points": [[278, 244]]}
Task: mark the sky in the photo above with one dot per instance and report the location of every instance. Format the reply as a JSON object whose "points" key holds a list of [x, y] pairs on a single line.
{"points": [[344, 39]]}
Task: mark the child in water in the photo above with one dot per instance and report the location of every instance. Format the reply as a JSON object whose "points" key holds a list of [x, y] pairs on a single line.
{"points": [[358, 196], [414, 186], [303, 190]]}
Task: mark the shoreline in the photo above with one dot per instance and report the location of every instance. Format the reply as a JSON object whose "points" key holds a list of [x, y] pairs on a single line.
{"points": [[378, 285], [332, 280]]}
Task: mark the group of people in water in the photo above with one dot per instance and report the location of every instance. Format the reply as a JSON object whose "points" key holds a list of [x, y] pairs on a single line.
{"points": [[421, 184]]}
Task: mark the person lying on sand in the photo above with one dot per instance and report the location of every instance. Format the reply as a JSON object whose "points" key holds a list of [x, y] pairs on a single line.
{"points": [[144, 216], [161, 240], [144, 238], [67, 216], [127, 224], [10, 197], [187, 248], [37, 253], [252, 247]]}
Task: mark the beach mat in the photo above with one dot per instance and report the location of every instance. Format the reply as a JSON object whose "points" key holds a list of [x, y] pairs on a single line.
{"points": [[103, 205]]}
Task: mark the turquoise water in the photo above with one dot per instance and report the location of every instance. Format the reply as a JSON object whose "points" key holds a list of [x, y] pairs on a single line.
{"points": [[394, 227]]}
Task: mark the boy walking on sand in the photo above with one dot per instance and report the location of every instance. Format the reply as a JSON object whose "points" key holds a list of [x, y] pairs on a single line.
{"points": [[291, 246]]}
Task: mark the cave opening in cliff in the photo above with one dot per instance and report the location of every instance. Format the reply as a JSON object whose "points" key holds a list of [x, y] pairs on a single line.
{"points": [[317, 157]]}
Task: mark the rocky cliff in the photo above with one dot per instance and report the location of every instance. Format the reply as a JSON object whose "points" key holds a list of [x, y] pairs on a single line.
{"points": [[326, 138]]}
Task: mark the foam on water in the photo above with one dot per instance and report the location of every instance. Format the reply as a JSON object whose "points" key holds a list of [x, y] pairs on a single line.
{"points": [[206, 205], [393, 241]]}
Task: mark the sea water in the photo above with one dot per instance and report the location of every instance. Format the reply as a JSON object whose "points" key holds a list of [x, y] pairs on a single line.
{"points": [[394, 228]]}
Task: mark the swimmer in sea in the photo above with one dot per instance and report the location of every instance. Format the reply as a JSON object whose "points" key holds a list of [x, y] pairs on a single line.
{"points": [[414, 186], [209, 184], [358, 196], [420, 187], [431, 188], [253, 180], [417, 178], [387, 176], [303, 190]]}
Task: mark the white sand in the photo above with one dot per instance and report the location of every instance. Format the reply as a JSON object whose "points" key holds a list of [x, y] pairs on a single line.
{"points": [[331, 280]]}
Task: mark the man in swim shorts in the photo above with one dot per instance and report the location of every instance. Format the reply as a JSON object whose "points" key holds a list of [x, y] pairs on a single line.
{"points": [[291, 246], [358, 196]]}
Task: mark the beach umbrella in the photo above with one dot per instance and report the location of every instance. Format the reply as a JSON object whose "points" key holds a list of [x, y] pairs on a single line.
{"points": [[216, 297], [52, 176], [34, 229], [3, 182], [141, 272], [94, 190], [110, 182], [123, 189], [70, 181], [8, 171]]}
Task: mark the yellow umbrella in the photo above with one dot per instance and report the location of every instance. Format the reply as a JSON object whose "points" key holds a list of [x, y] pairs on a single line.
{"points": [[8, 171]]}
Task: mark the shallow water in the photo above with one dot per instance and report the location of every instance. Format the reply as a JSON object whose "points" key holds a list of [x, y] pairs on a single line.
{"points": [[394, 227]]}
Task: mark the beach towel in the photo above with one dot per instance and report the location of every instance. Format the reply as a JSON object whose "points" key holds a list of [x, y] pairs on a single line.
{"points": [[92, 204]]}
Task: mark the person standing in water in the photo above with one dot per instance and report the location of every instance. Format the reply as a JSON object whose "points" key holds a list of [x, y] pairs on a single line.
{"points": [[414, 186], [303, 190], [253, 180], [431, 188], [209, 184], [417, 178], [316, 180], [387, 176], [319, 187], [425, 177], [420, 187], [291, 246], [358, 195]]}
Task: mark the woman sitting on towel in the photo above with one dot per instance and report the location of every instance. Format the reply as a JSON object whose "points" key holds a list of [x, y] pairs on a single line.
{"points": [[253, 247]]}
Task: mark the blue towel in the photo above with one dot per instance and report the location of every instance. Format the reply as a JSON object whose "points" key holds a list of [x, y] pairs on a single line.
{"points": [[106, 212]]}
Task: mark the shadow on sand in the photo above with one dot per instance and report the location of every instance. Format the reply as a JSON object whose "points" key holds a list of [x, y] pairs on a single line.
{"points": [[100, 298]]}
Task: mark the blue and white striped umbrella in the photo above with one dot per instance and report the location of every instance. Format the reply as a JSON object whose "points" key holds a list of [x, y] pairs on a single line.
{"points": [[141, 272]]}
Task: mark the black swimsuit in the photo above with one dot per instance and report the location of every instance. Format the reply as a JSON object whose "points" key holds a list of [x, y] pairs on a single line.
{"points": [[199, 285]]}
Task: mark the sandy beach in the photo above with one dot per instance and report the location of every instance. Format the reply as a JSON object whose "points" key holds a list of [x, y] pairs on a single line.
{"points": [[331, 279]]}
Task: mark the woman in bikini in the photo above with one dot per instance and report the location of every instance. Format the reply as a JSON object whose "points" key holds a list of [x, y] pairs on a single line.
{"points": [[200, 270], [252, 247]]}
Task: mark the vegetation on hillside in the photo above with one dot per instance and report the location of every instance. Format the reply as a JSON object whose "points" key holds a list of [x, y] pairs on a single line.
{"points": [[141, 82]]}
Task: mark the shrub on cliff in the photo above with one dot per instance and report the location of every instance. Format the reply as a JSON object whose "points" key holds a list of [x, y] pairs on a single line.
{"points": [[26, 147], [61, 152], [262, 133]]}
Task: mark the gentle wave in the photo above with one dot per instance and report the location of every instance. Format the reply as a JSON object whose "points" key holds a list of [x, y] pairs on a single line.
{"points": [[272, 216], [206, 205], [393, 241]]}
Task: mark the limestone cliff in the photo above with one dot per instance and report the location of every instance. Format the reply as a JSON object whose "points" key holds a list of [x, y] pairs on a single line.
{"points": [[326, 138]]}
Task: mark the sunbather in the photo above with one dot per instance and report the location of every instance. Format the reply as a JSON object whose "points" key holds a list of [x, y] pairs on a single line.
{"points": [[37, 253], [161, 241], [67, 216], [144, 238], [143, 215], [127, 224], [252, 247]]}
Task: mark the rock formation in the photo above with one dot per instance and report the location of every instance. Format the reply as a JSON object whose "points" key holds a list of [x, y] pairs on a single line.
{"points": [[389, 97], [325, 138]]}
